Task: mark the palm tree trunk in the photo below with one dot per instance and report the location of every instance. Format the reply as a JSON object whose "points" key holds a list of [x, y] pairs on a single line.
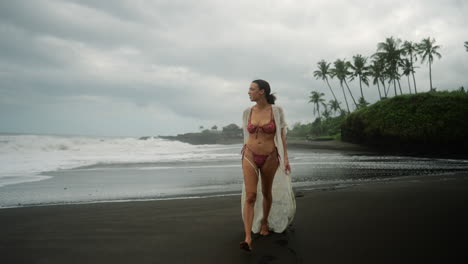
{"points": [[430, 76], [384, 88], [320, 119], [399, 86], [346, 100], [360, 86], [389, 87], [331, 90], [318, 110], [414, 81], [394, 87], [409, 84], [378, 88], [352, 97], [412, 73]]}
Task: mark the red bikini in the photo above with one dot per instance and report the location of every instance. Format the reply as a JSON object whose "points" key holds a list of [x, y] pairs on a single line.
{"points": [[269, 128]]}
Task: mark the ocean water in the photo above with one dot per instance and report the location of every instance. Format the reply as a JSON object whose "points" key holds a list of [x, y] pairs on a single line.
{"points": [[51, 169], [24, 157]]}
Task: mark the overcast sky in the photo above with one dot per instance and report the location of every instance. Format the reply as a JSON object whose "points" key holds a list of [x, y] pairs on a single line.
{"points": [[135, 68]]}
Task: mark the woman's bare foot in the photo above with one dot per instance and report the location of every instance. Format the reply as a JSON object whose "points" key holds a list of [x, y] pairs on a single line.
{"points": [[264, 229], [246, 245]]}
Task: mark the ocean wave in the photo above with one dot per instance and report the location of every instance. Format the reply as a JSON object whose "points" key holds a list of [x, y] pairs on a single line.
{"points": [[26, 156]]}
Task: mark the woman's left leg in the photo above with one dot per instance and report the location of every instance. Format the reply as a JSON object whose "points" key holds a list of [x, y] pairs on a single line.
{"points": [[267, 172]]}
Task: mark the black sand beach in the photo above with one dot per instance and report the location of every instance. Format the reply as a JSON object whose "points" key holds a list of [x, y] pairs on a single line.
{"points": [[417, 221]]}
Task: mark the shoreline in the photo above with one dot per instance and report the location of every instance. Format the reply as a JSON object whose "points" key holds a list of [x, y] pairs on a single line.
{"points": [[298, 190], [391, 222], [143, 183], [334, 146], [330, 145], [347, 147]]}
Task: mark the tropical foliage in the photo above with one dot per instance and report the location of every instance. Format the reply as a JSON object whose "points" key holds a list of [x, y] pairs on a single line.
{"points": [[420, 121], [360, 71], [323, 73], [317, 99], [427, 50], [410, 50], [393, 60]]}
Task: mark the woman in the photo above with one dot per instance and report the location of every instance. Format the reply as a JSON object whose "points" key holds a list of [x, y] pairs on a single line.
{"points": [[265, 166]]}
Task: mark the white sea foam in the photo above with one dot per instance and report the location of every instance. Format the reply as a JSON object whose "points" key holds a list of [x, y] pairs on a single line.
{"points": [[23, 157], [96, 169]]}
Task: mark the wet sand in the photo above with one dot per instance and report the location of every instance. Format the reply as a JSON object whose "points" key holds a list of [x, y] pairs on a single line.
{"points": [[419, 221], [327, 145], [347, 147]]}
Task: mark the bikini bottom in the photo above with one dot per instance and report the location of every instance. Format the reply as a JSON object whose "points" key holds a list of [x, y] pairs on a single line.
{"points": [[258, 158]]}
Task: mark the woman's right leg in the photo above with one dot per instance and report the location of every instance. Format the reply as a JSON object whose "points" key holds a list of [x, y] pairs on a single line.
{"points": [[250, 180], [267, 173]]}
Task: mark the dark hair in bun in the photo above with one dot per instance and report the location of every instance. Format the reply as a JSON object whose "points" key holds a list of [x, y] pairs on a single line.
{"points": [[264, 85]]}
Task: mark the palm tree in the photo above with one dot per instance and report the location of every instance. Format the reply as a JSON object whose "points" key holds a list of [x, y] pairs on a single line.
{"points": [[410, 50], [398, 80], [334, 106], [391, 53], [407, 69], [363, 102], [326, 111], [323, 72], [316, 99], [360, 70], [427, 50], [376, 71], [341, 72], [379, 59]]}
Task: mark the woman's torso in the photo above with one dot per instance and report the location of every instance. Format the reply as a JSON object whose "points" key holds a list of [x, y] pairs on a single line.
{"points": [[261, 128]]}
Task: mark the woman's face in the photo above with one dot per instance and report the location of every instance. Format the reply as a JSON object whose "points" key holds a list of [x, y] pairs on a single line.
{"points": [[255, 93]]}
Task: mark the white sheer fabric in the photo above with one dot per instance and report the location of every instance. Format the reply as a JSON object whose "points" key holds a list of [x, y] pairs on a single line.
{"points": [[283, 207]]}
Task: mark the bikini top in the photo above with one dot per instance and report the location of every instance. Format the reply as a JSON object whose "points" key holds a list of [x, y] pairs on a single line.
{"points": [[269, 128]]}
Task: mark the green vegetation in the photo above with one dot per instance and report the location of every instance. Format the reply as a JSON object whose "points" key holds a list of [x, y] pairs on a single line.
{"points": [[230, 134], [323, 73], [392, 60], [401, 118], [429, 121], [434, 121], [300, 130], [329, 128], [427, 50], [361, 71]]}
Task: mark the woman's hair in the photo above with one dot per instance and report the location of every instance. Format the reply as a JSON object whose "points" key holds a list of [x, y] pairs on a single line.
{"points": [[264, 85]]}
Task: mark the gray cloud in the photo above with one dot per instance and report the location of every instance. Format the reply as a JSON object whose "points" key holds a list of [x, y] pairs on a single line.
{"points": [[162, 67]]}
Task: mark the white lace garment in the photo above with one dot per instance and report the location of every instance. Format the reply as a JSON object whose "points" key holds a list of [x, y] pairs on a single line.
{"points": [[283, 206]]}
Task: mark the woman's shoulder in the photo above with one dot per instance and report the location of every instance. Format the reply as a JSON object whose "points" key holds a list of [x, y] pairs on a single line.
{"points": [[246, 112], [277, 107]]}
